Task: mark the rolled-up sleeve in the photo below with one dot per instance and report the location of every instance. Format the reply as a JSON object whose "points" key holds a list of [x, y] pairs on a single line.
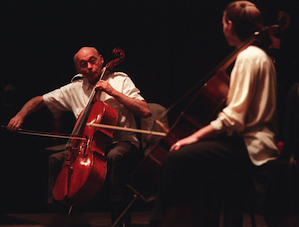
{"points": [[234, 117]]}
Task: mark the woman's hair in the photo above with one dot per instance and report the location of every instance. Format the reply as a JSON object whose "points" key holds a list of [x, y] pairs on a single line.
{"points": [[246, 18]]}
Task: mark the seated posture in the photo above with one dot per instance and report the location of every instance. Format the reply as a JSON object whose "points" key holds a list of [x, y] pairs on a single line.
{"points": [[118, 91], [240, 140]]}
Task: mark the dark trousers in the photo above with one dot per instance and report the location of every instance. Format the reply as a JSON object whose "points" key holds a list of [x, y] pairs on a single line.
{"points": [[194, 179], [121, 159], [188, 174]]}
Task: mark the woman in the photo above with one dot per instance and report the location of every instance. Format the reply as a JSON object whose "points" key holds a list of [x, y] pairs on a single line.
{"points": [[241, 139]]}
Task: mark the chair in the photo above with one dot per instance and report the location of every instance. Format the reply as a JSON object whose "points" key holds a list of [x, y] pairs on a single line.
{"points": [[150, 124], [278, 202], [291, 125], [147, 140], [291, 142]]}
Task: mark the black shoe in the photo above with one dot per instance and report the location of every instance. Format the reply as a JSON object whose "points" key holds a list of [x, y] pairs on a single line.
{"points": [[55, 207], [155, 223]]}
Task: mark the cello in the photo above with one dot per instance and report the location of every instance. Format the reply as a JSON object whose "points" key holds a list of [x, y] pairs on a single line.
{"points": [[84, 170], [212, 90]]}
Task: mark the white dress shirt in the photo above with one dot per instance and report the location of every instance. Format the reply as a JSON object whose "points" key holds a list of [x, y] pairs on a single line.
{"points": [[250, 109], [75, 96]]}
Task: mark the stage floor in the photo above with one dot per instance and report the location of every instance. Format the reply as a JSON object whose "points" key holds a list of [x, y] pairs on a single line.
{"points": [[88, 219]]}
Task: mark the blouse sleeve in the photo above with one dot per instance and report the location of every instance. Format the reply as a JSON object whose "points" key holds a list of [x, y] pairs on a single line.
{"points": [[232, 118]]}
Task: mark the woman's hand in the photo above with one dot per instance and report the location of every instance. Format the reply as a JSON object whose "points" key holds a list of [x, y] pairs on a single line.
{"points": [[183, 142], [203, 133]]}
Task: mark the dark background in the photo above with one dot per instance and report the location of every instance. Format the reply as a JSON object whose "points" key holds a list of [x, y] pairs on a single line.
{"points": [[169, 47]]}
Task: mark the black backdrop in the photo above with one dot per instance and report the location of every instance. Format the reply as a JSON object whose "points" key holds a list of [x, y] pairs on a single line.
{"points": [[169, 46]]}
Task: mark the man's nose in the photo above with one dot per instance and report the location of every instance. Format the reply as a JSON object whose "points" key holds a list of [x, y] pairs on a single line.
{"points": [[89, 65]]}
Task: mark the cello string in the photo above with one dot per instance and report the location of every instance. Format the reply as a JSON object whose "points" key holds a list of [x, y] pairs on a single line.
{"points": [[83, 117]]}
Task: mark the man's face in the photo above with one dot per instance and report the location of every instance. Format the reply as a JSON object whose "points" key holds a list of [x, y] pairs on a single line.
{"points": [[89, 63]]}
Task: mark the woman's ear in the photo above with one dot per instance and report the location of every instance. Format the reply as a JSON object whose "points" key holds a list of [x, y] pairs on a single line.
{"points": [[230, 24]]}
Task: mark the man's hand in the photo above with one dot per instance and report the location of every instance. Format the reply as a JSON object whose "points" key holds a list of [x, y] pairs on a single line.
{"points": [[103, 85], [137, 107], [15, 123], [32, 105]]}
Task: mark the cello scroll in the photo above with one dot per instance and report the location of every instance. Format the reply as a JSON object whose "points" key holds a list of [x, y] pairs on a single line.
{"points": [[120, 56]]}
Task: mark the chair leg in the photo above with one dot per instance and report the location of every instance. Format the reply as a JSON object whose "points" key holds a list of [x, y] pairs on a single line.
{"points": [[236, 219], [252, 219], [70, 210], [231, 218], [125, 211]]}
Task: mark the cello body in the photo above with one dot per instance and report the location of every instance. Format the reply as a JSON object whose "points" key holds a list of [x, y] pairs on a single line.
{"points": [[84, 171], [144, 179]]}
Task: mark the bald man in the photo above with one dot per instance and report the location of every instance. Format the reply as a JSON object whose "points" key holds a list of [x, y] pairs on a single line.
{"points": [[119, 92]]}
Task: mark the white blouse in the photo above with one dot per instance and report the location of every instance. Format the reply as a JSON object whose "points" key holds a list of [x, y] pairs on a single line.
{"points": [[250, 109]]}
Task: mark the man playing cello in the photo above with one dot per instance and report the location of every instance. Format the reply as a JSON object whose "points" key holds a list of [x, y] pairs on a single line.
{"points": [[119, 92]]}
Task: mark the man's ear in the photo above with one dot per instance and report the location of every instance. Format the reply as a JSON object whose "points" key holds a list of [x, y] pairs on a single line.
{"points": [[101, 59], [77, 68]]}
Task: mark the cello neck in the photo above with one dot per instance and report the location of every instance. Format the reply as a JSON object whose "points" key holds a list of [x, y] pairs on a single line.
{"points": [[257, 36], [221, 68], [81, 121], [84, 115]]}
